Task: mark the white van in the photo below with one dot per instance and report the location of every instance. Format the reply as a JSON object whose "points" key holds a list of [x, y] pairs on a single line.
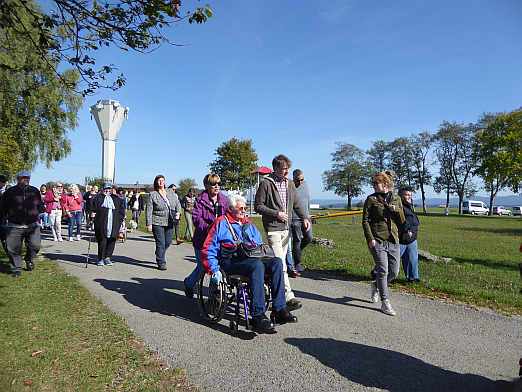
{"points": [[517, 210], [474, 207]]}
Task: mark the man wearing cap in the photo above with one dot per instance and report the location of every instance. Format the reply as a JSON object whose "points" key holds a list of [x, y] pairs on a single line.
{"points": [[21, 205]]}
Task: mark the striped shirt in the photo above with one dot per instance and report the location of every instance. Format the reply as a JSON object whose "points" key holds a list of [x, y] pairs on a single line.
{"points": [[281, 189]]}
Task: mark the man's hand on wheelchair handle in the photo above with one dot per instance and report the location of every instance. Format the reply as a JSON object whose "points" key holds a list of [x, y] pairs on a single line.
{"points": [[216, 277]]}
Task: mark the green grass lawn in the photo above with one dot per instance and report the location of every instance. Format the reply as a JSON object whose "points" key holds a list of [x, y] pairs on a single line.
{"points": [[484, 251], [57, 337]]}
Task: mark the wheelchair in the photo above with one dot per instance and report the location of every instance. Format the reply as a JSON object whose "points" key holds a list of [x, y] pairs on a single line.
{"points": [[232, 291]]}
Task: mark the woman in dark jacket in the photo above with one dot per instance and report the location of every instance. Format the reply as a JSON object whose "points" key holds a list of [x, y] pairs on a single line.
{"points": [[109, 213], [382, 215], [408, 238], [209, 205]]}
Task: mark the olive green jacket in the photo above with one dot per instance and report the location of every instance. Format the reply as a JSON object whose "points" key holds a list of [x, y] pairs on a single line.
{"points": [[379, 222]]}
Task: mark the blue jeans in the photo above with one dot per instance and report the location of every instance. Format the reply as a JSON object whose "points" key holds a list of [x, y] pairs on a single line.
{"points": [[255, 270], [163, 238], [44, 219], [75, 220], [410, 260], [289, 258], [300, 238], [190, 281]]}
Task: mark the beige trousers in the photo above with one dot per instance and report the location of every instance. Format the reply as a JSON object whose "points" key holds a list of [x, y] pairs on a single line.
{"points": [[278, 241]]}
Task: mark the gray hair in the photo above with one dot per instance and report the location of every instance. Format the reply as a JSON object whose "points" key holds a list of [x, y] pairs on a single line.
{"points": [[233, 199]]}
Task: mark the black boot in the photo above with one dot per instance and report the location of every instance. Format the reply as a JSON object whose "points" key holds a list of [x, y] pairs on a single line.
{"points": [[283, 316], [29, 265], [262, 324]]}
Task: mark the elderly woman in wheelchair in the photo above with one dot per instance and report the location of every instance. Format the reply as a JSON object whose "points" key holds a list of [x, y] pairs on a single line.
{"points": [[222, 251]]}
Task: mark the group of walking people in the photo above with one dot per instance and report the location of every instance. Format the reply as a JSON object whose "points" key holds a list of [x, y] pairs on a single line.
{"points": [[214, 223]]}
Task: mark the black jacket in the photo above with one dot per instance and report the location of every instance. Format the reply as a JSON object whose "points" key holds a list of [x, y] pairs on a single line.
{"points": [[102, 214], [21, 205], [141, 204], [411, 224], [88, 197]]}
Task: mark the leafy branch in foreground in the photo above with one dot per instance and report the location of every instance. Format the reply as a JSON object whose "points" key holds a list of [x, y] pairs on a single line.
{"points": [[72, 30]]}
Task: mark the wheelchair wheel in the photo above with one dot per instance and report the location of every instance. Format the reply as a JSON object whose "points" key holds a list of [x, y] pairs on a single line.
{"points": [[212, 297]]}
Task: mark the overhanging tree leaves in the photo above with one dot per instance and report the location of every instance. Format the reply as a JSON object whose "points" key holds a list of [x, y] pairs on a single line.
{"points": [[349, 172], [235, 160], [36, 109], [75, 29]]}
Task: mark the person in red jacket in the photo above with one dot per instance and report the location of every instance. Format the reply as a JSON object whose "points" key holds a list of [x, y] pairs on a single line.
{"points": [[53, 206], [73, 209]]}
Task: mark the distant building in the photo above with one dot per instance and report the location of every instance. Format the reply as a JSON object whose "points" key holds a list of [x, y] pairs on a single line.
{"points": [[135, 187]]}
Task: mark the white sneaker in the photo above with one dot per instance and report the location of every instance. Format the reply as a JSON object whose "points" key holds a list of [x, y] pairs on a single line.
{"points": [[374, 293], [60, 239], [55, 239], [71, 239], [386, 308], [78, 238]]}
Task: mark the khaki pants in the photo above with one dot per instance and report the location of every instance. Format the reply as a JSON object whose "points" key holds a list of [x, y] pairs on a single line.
{"points": [[278, 241]]}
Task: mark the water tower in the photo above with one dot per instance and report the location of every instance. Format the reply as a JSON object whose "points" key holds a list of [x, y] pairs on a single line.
{"points": [[109, 116]]}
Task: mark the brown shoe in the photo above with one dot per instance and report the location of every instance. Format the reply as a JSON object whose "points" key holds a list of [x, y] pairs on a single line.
{"points": [[293, 274], [179, 241]]}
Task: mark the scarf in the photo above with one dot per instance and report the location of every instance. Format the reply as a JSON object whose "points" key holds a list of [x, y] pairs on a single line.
{"points": [[109, 204]]}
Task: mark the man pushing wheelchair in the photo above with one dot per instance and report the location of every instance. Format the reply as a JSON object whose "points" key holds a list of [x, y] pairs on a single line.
{"points": [[225, 247]]}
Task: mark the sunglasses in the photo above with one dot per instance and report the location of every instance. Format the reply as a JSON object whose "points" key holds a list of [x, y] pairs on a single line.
{"points": [[299, 180], [215, 183]]}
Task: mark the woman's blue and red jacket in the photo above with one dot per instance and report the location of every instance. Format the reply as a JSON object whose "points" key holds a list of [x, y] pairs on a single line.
{"points": [[220, 244]]}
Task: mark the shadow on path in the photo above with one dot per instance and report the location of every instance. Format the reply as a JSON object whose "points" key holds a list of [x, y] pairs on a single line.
{"points": [[342, 300], [155, 295], [390, 370], [93, 259]]}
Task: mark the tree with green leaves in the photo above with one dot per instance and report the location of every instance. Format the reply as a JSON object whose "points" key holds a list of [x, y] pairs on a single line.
{"points": [[401, 162], [73, 30], [235, 160], [379, 155], [349, 172], [420, 148], [499, 150], [184, 185], [37, 109], [457, 140]]}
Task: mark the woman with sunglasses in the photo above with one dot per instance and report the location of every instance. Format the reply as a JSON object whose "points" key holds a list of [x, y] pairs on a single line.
{"points": [[209, 205], [382, 215]]}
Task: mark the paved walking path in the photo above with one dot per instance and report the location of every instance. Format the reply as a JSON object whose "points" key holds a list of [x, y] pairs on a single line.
{"points": [[341, 342]]}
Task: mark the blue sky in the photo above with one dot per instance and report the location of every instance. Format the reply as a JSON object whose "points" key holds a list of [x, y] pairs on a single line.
{"points": [[298, 77]]}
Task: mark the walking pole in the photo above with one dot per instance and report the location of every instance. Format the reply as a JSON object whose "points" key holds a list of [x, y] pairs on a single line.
{"points": [[88, 252]]}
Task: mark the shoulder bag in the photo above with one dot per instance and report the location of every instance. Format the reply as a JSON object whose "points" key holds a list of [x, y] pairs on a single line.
{"points": [[247, 250]]}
